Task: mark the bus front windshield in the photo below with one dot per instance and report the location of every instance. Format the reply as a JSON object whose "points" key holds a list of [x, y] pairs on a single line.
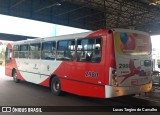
{"points": [[127, 43]]}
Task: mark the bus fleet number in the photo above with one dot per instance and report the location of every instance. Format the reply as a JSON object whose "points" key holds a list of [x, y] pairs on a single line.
{"points": [[91, 74], [124, 65]]}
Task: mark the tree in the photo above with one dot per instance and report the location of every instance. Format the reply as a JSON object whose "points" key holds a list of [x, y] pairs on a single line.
{"points": [[2, 54]]}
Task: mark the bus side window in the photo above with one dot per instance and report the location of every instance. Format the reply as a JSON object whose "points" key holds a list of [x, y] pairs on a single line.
{"points": [[89, 50], [66, 50], [48, 50], [35, 51], [16, 51], [23, 53], [97, 51]]}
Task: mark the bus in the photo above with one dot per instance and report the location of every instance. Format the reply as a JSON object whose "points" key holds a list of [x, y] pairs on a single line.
{"points": [[103, 64]]}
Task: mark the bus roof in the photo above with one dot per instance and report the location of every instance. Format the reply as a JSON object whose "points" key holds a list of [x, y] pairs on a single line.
{"points": [[75, 36], [62, 37]]}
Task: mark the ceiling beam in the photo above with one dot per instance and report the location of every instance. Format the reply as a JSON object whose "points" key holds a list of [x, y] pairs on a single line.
{"points": [[49, 6], [69, 11], [18, 3]]}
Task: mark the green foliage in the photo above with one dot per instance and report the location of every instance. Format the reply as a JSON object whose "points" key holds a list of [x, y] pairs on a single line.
{"points": [[158, 61], [2, 54]]}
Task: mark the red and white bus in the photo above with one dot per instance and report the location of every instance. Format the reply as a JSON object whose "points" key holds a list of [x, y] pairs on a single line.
{"points": [[104, 64]]}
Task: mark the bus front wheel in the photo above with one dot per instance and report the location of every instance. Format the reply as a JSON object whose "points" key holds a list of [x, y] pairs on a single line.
{"points": [[15, 78], [56, 87]]}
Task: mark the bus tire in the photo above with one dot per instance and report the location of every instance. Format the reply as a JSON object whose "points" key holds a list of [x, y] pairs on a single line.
{"points": [[15, 78], [56, 87]]}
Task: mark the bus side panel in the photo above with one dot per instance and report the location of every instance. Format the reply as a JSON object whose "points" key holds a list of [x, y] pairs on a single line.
{"points": [[75, 81], [8, 71], [82, 89], [9, 68], [46, 83], [19, 75]]}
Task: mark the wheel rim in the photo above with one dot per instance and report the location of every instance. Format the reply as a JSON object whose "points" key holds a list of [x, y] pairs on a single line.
{"points": [[56, 86], [15, 76]]}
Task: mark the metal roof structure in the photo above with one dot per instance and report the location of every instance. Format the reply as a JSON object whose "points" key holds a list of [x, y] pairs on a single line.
{"points": [[141, 15], [11, 37]]}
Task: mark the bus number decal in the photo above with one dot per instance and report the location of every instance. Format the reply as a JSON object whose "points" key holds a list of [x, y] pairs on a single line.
{"points": [[91, 74], [121, 66]]}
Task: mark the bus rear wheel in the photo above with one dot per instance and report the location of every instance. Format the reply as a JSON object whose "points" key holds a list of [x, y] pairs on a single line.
{"points": [[56, 87], [15, 77]]}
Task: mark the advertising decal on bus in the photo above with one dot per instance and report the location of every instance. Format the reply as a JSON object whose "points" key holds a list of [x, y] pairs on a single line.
{"points": [[131, 65]]}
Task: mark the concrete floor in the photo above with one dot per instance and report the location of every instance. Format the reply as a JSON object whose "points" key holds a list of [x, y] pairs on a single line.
{"points": [[27, 94]]}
